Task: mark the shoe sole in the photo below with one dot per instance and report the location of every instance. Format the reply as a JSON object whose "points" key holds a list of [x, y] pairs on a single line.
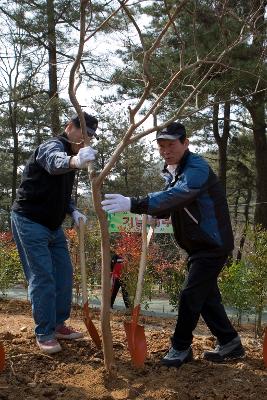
{"points": [[234, 355], [50, 351], [176, 364]]}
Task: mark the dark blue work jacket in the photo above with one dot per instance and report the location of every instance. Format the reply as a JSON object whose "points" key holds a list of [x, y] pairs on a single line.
{"points": [[196, 202]]}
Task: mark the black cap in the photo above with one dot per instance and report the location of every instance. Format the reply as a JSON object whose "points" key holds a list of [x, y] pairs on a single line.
{"points": [[174, 131], [91, 123]]}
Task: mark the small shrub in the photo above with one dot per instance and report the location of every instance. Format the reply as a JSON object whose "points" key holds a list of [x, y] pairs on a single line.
{"points": [[11, 271]]}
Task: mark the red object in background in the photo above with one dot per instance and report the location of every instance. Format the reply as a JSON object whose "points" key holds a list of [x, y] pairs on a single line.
{"points": [[117, 269]]}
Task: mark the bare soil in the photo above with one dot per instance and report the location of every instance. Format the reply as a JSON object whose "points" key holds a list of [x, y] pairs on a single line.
{"points": [[78, 372]]}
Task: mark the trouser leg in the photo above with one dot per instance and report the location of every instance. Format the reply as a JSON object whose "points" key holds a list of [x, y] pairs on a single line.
{"points": [[32, 240], [63, 275], [214, 314], [199, 288], [114, 290], [125, 295]]}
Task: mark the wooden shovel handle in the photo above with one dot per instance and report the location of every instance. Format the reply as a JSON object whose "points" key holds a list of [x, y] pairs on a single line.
{"points": [[87, 320], [82, 261], [142, 266]]}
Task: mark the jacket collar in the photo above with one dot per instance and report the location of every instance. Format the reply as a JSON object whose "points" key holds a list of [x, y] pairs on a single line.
{"points": [[183, 161], [64, 139], [180, 166]]}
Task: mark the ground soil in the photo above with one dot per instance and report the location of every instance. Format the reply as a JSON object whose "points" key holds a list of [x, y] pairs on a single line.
{"points": [[78, 371]]}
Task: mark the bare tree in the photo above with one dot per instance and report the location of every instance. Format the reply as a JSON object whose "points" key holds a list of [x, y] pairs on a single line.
{"points": [[133, 132]]}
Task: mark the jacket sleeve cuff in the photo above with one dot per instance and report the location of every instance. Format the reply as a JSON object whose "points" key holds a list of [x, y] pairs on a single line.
{"points": [[139, 205], [71, 207]]}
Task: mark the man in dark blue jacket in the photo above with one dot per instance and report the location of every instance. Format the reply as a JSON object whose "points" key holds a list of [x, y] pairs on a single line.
{"points": [[196, 202], [42, 202]]}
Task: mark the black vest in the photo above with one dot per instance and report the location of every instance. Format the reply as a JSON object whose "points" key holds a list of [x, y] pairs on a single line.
{"points": [[42, 197]]}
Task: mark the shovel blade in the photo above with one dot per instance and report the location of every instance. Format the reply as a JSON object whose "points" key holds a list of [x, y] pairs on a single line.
{"points": [[91, 327], [136, 340]]}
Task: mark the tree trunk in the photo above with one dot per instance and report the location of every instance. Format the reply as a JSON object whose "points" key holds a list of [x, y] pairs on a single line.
{"points": [[105, 276], [236, 208], [96, 195], [259, 321], [12, 118], [257, 113], [244, 234], [52, 72], [256, 108], [222, 140]]}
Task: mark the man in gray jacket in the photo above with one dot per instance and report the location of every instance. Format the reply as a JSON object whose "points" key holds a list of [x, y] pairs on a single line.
{"points": [[42, 202]]}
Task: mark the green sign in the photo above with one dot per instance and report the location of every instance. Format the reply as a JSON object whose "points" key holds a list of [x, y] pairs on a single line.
{"points": [[126, 221]]}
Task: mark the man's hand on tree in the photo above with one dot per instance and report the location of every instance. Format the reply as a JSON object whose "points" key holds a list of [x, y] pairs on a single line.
{"points": [[84, 155], [116, 203]]}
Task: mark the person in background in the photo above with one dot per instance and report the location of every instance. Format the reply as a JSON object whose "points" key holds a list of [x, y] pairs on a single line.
{"points": [[42, 202], [196, 202], [116, 271]]}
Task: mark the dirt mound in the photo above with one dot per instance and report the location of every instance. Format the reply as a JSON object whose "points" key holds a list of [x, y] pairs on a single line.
{"points": [[77, 372]]}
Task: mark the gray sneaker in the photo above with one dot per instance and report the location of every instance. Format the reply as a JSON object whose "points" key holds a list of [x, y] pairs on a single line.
{"points": [[175, 358], [49, 346], [230, 351]]}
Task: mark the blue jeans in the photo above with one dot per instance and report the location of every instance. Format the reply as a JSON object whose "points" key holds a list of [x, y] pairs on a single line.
{"points": [[47, 267]]}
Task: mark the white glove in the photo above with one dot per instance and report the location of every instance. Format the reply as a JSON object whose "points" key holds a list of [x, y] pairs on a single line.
{"points": [[116, 203], [76, 215], [84, 155]]}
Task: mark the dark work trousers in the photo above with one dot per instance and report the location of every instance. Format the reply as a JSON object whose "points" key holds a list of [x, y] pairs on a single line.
{"points": [[116, 284], [201, 296]]}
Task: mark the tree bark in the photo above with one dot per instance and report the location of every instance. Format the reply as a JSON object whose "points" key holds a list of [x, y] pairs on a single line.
{"points": [[52, 72], [96, 195], [12, 117], [222, 140], [256, 108], [244, 233], [257, 112], [236, 208], [105, 276]]}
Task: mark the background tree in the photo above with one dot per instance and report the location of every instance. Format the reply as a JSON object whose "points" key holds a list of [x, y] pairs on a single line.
{"points": [[239, 78], [17, 87]]}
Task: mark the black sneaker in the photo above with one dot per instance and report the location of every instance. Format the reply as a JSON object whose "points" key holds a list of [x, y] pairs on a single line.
{"points": [[175, 358], [230, 351]]}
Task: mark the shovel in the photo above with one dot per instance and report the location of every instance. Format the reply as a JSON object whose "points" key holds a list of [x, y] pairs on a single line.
{"points": [[265, 348], [135, 333], [2, 357], [86, 316]]}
